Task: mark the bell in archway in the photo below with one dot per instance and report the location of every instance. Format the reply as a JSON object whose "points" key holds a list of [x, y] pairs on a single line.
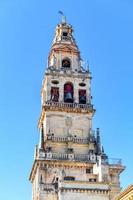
{"points": [[68, 97], [82, 96], [82, 100]]}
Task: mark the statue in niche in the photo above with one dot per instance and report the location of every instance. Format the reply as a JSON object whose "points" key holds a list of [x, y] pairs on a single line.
{"points": [[68, 122], [54, 60]]}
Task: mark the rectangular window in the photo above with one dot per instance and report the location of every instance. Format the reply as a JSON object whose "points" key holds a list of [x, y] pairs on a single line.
{"points": [[64, 33], [69, 178], [92, 180], [70, 150], [89, 171]]}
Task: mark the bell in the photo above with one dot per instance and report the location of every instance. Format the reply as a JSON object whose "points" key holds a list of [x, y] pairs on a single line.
{"points": [[82, 100], [68, 97]]}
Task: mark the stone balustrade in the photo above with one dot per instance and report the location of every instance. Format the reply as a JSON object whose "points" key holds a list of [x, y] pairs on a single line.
{"points": [[47, 186], [115, 161], [52, 104], [65, 156], [92, 158], [69, 138]]}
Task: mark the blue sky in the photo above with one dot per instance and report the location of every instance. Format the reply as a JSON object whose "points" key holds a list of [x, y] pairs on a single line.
{"points": [[104, 33]]}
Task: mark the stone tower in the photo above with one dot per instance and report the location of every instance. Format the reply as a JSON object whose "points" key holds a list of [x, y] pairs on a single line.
{"points": [[69, 161]]}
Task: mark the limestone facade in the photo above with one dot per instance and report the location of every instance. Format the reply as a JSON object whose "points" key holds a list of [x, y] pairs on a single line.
{"points": [[69, 161], [126, 194]]}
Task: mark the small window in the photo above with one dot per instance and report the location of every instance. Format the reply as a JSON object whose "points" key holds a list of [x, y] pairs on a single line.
{"points": [[92, 180], [82, 84], [89, 171], [64, 34], [66, 63], [82, 96], [57, 178], [91, 151], [70, 150], [55, 82], [55, 94], [69, 178]]}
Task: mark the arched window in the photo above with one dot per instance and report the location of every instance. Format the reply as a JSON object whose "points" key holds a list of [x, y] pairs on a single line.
{"points": [[66, 63], [55, 94], [82, 96], [68, 92], [69, 178]]}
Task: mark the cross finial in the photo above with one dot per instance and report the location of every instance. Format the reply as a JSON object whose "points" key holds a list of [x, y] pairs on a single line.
{"points": [[63, 18]]}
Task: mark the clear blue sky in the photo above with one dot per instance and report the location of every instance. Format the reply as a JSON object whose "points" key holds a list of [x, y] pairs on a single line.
{"points": [[104, 32]]}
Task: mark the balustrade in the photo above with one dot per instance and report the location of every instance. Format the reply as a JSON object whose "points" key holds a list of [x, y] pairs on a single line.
{"points": [[47, 186], [67, 105], [115, 161], [75, 157], [70, 138], [63, 156]]}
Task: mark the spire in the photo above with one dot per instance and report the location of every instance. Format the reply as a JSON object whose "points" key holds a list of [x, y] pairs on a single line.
{"points": [[98, 140], [41, 145], [102, 150], [64, 47], [64, 33], [104, 156]]}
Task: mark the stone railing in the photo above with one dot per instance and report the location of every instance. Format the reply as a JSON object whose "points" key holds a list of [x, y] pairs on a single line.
{"points": [[115, 161], [64, 156], [52, 104], [68, 139], [46, 186]]}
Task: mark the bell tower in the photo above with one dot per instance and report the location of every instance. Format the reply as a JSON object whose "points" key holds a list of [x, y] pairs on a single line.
{"points": [[69, 161]]}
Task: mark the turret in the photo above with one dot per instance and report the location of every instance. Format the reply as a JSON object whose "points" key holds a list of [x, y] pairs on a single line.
{"points": [[98, 141], [64, 53]]}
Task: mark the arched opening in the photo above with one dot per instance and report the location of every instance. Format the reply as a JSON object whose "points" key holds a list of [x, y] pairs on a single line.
{"points": [[68, 93], [82, 96], [66, 63], [55, 94]]}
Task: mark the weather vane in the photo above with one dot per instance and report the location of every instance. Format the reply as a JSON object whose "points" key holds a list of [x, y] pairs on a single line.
{"points": [[63, 19]]}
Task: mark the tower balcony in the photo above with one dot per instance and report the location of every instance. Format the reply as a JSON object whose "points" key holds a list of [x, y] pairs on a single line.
{"points": [[69, 139], [66, 156], [115, 161], [115, 164], [71, 107]]}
